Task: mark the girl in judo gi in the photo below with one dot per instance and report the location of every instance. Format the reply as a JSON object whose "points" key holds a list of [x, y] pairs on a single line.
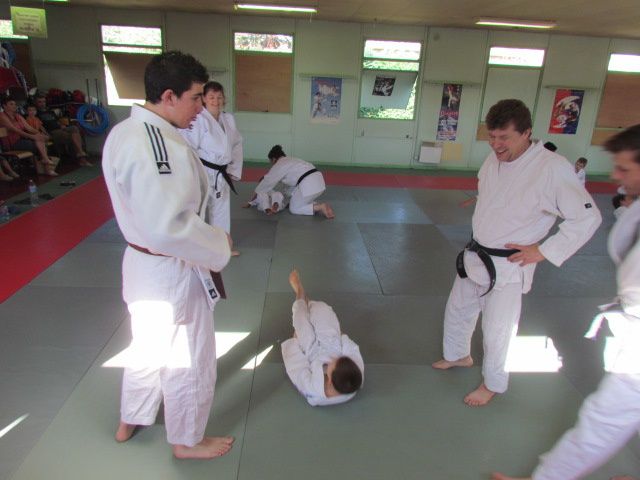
{"points": [[324, 364], [305, 181], [610, 416], [217, 141]]}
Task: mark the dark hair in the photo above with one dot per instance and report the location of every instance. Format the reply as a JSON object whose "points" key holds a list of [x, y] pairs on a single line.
{"points": [[582, 160], [617, 200], [550, 146], [626, 141], [510, 111], [276, 152], [174, 71], [4, 99], [213, 85], [346, 377]]}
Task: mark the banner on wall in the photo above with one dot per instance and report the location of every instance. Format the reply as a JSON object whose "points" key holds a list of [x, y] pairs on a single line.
{"points": [[326, 95], [566, 111], [29, 21], [449, 112]]}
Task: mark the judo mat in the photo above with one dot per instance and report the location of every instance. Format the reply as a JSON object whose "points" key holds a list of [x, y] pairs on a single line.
{"points": [[386, 266]]}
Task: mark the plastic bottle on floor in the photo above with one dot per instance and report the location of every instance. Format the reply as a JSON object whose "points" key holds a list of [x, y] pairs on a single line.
{"points": [[33, 193]]}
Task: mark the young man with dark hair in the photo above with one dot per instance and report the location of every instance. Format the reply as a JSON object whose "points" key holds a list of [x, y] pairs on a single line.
{"points": [[324, 364], [523, 188], [158, 189], [610, 417]]}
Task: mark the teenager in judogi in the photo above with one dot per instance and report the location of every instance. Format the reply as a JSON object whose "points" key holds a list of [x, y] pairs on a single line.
{"points": [[159, 191]]}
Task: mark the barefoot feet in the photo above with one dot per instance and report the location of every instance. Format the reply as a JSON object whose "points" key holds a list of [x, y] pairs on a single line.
{"points": [[479, 397], [325, 209], [209, 447], [446, 364], [125, 432]]}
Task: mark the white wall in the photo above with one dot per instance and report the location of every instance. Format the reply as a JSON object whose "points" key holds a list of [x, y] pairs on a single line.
{"points": [[71, 55]]}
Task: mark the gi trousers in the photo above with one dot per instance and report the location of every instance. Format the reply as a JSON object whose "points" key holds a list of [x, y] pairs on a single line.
{"points": [[500, 315]]}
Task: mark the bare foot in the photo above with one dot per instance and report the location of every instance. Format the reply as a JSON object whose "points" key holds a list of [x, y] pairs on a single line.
{"points": [[294, 281], [275, 207], [479, 397], [235, 253], [125, 432], [209, 447], [325, 209], [446, 364], [502, 476]]}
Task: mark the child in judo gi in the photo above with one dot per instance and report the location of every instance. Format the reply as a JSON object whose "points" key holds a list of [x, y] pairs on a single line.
{"points": [[324, 364]]}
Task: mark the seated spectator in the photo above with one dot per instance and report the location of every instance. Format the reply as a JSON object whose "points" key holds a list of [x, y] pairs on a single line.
{"points": [[20, 136], [6, 172], [33, 120], [63, 136], [581, 170]]}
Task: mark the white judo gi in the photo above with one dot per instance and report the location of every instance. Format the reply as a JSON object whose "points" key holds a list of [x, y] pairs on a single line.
{"points": [[610, 416], [264, 201], [518, 202], [288, 170], [582, 176], [218, 142], [318, 341], [159, 190]]}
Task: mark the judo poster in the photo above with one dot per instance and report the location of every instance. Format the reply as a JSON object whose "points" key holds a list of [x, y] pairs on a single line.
{"points": [[449, 112], [383, 86], [326, 94], [566, 111]]}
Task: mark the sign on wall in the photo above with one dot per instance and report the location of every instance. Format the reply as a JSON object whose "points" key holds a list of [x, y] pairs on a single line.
{"points": [[326, 95], [566, 111], [449, 112], [29, 21]]}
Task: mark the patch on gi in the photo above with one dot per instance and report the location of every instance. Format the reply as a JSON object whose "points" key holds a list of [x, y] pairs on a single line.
{"points": [[159, 149], [218, 194], [587, 205]]}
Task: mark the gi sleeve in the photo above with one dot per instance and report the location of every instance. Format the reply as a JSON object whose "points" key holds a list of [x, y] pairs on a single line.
{"points": [[235, 144], [299, 370], [164, 207], [271, 179], [629, 282], [568, 199]]}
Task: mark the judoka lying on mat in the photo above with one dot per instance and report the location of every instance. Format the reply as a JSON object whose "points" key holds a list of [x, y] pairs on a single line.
{"points": [[324, 364]]}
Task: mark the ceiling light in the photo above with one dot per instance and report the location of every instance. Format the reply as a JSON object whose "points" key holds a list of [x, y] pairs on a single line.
{"points": [[501, 22], [275, 8]]}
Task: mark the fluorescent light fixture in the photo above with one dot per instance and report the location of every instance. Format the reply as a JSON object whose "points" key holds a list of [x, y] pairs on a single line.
{"points": [[502, 22], [275, 8]]}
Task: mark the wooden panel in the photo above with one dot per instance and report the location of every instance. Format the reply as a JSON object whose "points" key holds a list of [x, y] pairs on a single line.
{"points": [[620, 105], [601, 135], [482, 135], [263, 83], [127, 70]]}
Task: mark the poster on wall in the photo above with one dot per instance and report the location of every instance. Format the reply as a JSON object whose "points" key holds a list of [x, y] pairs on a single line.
{"points": [[326, 95], [566, 111], [29, 21], [449, 112], [383, 86]]}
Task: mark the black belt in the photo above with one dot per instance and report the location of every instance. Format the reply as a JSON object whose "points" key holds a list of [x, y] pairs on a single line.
{"points": [[485, 254], [306, 174], [215, 276], [222, 170]]}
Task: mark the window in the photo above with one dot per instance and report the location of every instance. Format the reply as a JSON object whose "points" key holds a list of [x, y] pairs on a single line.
{"points": [[516, 57], [126, 51], [263, 69], [624, 63], [6, 30], [389, 79]]}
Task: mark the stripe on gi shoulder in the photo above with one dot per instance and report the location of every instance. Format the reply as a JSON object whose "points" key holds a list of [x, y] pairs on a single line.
{"points": [[159, 149]]}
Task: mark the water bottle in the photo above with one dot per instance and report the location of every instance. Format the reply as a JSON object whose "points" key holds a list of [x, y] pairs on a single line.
{"points": [[33, 193]]}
